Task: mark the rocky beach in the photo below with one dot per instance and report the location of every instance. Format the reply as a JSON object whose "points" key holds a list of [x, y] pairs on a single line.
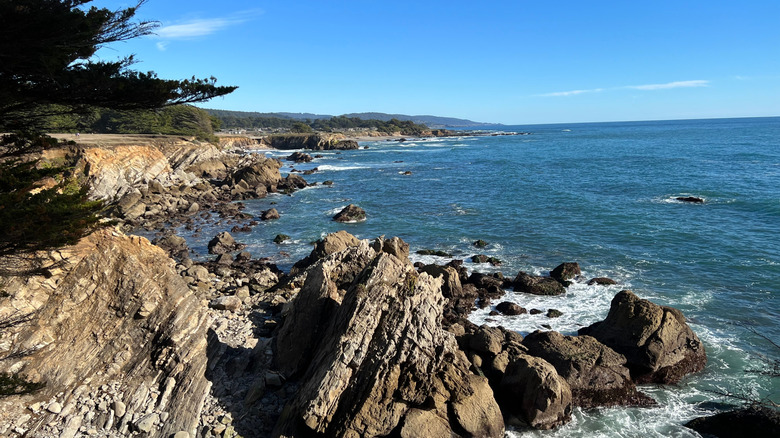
{"points": [[132, 337]]}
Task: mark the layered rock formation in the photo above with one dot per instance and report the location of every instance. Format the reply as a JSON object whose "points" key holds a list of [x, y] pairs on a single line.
{"points": [[363, 335], [115, 335], [316, 141]]}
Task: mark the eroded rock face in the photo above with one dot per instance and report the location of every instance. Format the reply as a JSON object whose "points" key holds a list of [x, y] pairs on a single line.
{"points": [[380, 361], [331, 243], [656, 341], [532, 393], [596, 374], [115, 326]]}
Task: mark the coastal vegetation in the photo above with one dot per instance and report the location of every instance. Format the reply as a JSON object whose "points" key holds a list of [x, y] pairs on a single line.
{"points": [[259, 121], [50, 76]]}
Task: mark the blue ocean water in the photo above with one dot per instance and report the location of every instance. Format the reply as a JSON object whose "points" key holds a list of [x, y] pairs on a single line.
{"points": [[600, 194]]}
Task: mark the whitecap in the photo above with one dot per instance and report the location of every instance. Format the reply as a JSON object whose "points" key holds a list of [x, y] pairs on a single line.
{"points": [[329, 167]]}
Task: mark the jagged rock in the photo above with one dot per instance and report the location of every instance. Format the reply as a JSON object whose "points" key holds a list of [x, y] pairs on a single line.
{"points": [[756, 421], [330, 244], [658, 344], [532, 393], [565, 272], [596, 374], [537, 285], [292, 182], [350, 213], [451, 287], [378, 354], [480, 243], [85, 340], [270, 214], [261, 172], [299, 157], [602, 281], [508, 308], [223, 243], [394, 246]]}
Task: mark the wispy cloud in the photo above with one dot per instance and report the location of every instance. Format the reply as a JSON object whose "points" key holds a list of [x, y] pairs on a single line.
{"points": [[195, 28], [646, 87], [200, 27], [670, 85], [572, 92]]}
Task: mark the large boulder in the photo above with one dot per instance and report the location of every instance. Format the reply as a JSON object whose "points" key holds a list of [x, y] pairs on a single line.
{"points": [[299, 157], [537, 285], [754, 421], [656, 341], [224, 243], [260, 173], [596, 374], [380, 362], [565, 272], [111, 324], [532, 393], [350, 213]]}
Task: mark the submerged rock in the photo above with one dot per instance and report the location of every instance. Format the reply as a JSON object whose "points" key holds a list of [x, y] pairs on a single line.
{"points": [[658, 344], [537, 285], [601, 281], [690, 199], [508, 308]]}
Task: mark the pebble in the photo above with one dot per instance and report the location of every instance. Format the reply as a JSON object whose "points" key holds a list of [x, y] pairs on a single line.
{"points": [[54, 408]]}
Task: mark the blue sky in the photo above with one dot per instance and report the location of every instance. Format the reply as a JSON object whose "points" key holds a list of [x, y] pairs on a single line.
{"points": [[511, 62]]}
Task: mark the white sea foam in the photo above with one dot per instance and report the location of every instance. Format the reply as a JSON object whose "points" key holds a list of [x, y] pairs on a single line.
{"points": [[332, 168]]}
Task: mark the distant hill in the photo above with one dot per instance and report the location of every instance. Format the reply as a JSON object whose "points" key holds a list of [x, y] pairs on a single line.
{"points": [[430, 121]]}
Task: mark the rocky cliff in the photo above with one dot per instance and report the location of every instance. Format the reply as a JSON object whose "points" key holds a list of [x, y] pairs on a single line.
{"points": [[316, 141], [116, 337]]}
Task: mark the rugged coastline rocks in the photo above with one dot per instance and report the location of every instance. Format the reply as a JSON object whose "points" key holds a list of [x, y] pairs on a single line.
{"points": [[117, 337], [353, 341], [537, 285], [596, 374], [224, 243], [350, 213], [382, 361], [656, 341]]}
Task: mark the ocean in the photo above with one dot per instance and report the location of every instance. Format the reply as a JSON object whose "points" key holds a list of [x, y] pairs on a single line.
{"points": [[600, 194]]}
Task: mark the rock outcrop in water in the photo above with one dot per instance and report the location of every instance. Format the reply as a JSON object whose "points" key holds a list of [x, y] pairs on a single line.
{"points": [[317, 141], [656, 341], [364, 336], [597, 375], [362, 343]]}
